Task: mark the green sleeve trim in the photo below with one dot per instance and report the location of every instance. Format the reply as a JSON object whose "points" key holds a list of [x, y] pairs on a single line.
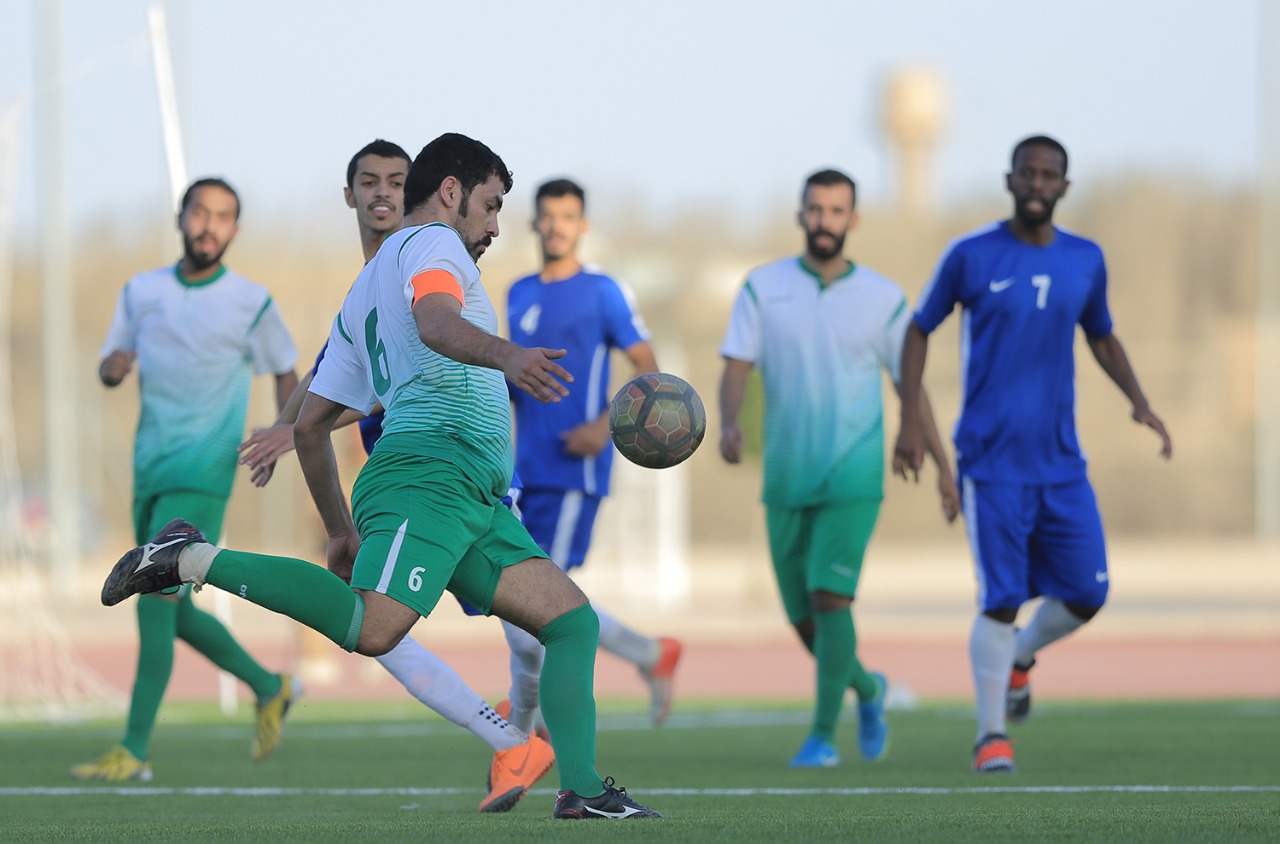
{"points": [[342, 329], [751, 291], [261, 312], [902, 304]]}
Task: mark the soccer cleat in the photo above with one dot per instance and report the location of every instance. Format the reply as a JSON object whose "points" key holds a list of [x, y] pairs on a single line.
{"points": [[873, 730], [994, 755], [1017, 702], [503, 708], [513, 772], [270, 726], [117, 765], [659, 678], [151, 567], [816, 752], [613, 803]]}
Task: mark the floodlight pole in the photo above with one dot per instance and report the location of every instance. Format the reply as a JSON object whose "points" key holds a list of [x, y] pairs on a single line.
{"points": [[1267, 343], [62, 454]]}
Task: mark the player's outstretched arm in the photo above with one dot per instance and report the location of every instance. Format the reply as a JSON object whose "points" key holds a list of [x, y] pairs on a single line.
{"points": [[442, 329], [115, 366], [312, 437], [947, 489], [1110, 355], [908, 452], [733, 386]]}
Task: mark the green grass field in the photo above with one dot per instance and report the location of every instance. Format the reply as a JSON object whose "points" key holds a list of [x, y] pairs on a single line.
{"points": [[392, 772]]}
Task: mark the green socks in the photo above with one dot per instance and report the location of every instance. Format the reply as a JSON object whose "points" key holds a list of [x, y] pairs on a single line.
{"points": [[156, 622], [305, 592], [212, 639], [836, 651], [568, 697]]}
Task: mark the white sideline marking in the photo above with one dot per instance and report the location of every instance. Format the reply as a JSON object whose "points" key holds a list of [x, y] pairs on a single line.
{"points": [[201, 791]]}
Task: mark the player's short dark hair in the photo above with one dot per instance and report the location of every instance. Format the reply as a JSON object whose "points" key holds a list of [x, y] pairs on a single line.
{"points": [[380, 148], [466, 159], [1039, 141], [208, 182], [558, 188], [826, 178]]}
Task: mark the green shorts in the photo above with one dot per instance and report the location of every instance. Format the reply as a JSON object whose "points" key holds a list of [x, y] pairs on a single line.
{"points": [[203, 510], [818, 549], [425, 527]]}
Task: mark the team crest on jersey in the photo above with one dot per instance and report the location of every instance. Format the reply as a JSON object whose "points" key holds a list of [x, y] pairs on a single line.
{"points": [[529, 322]]}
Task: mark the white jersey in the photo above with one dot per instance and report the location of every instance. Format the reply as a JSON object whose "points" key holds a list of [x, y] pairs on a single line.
{"points": [[197, 345], [435, 406], [820, 351]]}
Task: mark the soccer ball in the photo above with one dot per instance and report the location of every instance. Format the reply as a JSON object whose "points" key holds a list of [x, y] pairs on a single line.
{"points": [[657, 420]]}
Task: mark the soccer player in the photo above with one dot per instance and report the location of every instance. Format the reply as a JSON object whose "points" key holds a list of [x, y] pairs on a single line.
{"points": [[416, 333], [375, 189], [820, 328], [197, 332], [1033, 524], [563, 450]]}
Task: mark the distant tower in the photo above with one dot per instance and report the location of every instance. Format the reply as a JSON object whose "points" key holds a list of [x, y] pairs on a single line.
{"points": [[914, 117]]}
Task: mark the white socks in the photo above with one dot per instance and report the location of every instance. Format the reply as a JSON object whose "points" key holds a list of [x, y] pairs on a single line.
{"points": [[194, 561], [991, 654], [622, 641], [1050, 623], [526, 670], [425, 676]]}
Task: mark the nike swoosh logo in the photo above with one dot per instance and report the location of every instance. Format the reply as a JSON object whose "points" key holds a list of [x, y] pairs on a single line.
{"points": [[997, 286], [625, 813]]}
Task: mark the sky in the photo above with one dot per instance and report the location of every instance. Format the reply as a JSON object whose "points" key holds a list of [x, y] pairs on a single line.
{"points": [[722, 105]]}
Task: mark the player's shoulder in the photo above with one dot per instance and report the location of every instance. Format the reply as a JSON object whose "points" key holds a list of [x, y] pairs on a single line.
{"points": [[876, 283], [1068, 239], [978, 240], [426, 237], [243, 285], [780, 271]]}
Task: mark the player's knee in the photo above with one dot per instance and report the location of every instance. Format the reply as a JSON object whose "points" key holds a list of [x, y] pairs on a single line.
{"points": [[1082, 612], [377, 642]]}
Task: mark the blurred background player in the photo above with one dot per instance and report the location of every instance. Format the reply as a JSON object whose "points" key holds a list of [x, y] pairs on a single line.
{"points": [[563, 450], [197, 332], [375, 189], [820, 329], [1033, 522], [425, 515]]}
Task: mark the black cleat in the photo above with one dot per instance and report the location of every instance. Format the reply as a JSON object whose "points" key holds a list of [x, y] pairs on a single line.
{"points": [[613, 803], [151, 567]]}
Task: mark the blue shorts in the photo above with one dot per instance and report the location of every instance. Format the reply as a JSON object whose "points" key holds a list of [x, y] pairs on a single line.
{"points": [[1037, 540], [560, 521]]}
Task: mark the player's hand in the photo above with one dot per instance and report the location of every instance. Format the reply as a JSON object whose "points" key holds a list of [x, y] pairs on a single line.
{"points": [[116, 366], [908, 453], [1144, 416], [341, 554], [261, 451], [731, 444], [534, 371], [950, 495], [587, 439]]}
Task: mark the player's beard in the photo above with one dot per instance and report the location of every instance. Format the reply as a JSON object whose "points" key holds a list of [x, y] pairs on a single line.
{"points": [[819, 251], [196, 260], [1031, 219]]}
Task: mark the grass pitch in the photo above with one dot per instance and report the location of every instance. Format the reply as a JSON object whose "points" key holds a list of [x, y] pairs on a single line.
{"points": [[395, 772]]}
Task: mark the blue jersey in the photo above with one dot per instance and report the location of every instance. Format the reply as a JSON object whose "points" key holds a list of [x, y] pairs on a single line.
{"points": [[1021, 305], [587, 315]]}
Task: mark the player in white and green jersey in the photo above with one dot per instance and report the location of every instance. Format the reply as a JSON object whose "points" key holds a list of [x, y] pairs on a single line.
{"points": [[821, 329], [417, 334], [198, 333]]}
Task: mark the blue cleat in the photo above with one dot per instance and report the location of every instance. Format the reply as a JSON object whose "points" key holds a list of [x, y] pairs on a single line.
{"points": [[873, 730], [816, 753]]}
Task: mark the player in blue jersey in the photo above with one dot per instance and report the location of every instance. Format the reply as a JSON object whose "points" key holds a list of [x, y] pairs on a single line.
{"points": [[1024, 286], [822, 331], [563, 450], [375, 189]]}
